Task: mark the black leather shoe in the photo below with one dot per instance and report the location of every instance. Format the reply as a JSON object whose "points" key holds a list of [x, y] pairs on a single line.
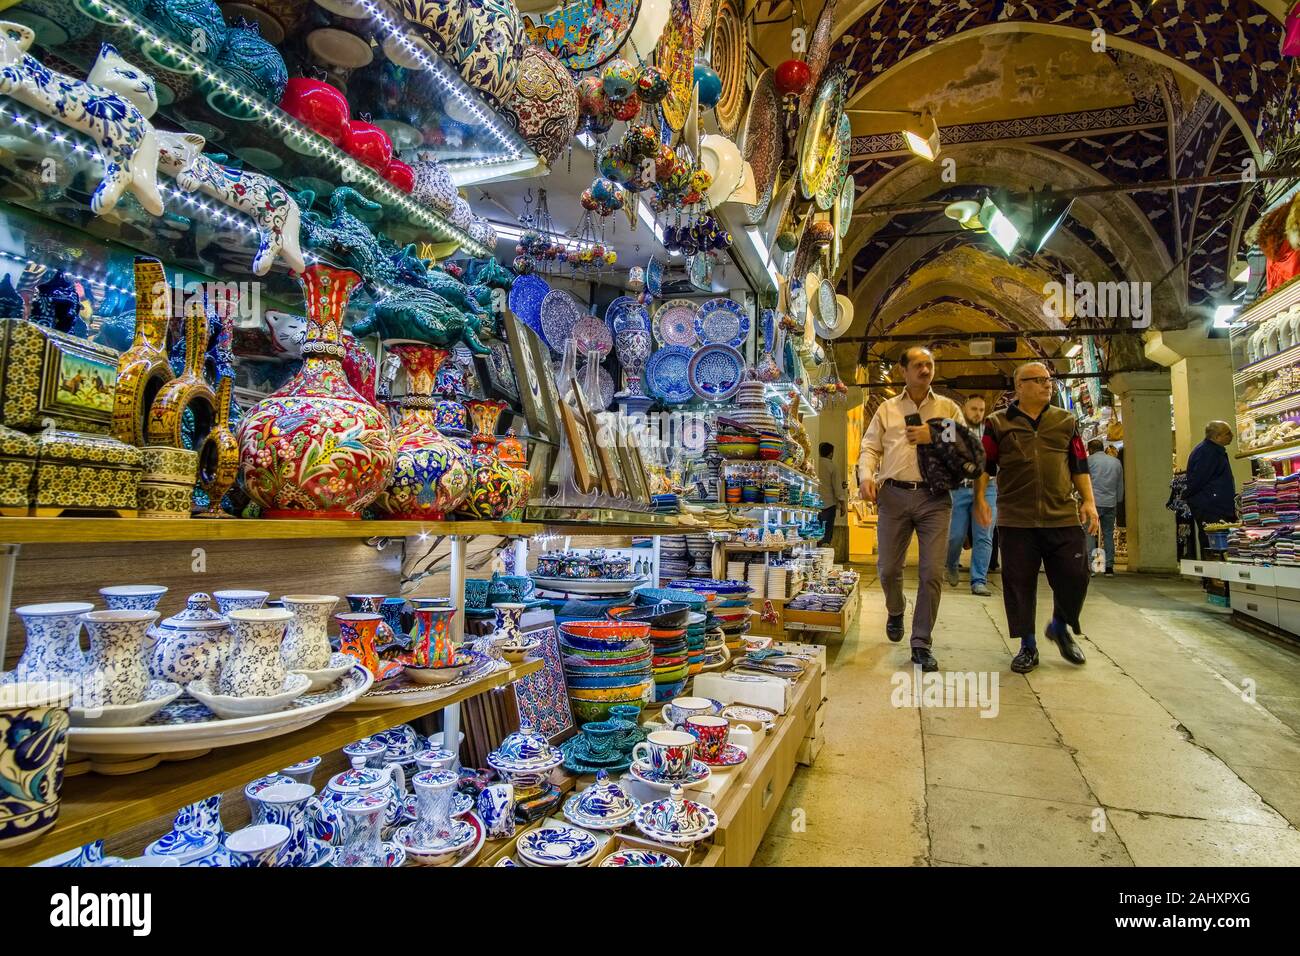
{"points": [[925, 659], [894, 628], [1025, 661], [1069, 650]]}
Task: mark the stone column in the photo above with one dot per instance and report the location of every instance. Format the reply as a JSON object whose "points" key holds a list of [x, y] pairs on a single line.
{"points": [[1144, 399], [1200, 372]]}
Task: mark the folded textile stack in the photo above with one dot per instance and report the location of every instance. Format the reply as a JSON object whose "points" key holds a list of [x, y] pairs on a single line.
{"points": [[1288, 499], [1251, 545], [777, 583], [1259, 502], [1286, 547], [812, 601]]}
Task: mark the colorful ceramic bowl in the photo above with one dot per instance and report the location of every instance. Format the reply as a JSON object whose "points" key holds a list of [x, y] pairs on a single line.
{"points": [[605, 630]]}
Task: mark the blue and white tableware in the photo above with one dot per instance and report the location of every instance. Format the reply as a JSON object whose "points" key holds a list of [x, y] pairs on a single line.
{"points": [[117, 665], [716, 372], [676, 819], [196, 831], [133, 597], [239, 600], [372, 752], [53, 649], [722, 322], [91, 854], [257, 846], [667, 374], [330, 822], [287, 804], [602, 806], [303, 771], [496, 807], [556, 846]]}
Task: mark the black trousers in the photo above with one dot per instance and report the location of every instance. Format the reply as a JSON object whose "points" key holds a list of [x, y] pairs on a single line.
{"points": [[1063, 553], [827, 518]]}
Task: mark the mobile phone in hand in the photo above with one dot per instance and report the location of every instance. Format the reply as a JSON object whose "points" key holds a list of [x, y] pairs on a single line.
{"points": [[912, 420]]}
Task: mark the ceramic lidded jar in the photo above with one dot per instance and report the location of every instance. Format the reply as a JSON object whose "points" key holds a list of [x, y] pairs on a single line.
{"points": [[190, 645], [316, 448], [389, 783], [430, 472], [523, 755], [253, 667], [306, 640], [544, 104], [117, 665], [53, 648], [604, 800]]}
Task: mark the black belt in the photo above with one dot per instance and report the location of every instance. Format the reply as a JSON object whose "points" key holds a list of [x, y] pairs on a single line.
{"points": [[909, 485]]}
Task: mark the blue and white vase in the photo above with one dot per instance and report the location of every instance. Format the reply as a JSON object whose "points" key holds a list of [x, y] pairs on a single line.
{"points": [[133, 597], [496, 807], [53, 650], [33, 748]]}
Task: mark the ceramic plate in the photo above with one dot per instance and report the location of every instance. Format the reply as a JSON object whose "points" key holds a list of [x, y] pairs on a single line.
{"points": [[557, 846], [185, 724], [339, 48], [760, 143], [584, 37], [560, 312], [641, 770], [668, 375], [502, 369], [847, 196], [632, 857], [819, 51], [592, 337], [821, 132], [675, 55], [157, 695], [729, 55], [826, 310], [402, 691], [829, 192], [722, 322], [526, 296], [731, 756], [675, 323], [339, 664], [715, 372]]}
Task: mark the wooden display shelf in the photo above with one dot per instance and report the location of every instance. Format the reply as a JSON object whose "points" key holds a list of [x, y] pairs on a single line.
{"points": [[738, 546], [32, 530], [97, 806]]}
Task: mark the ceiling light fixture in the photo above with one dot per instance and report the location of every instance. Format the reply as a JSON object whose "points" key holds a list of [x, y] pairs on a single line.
{"points": [[1011, 219], [920, 132], [1074, 350]]}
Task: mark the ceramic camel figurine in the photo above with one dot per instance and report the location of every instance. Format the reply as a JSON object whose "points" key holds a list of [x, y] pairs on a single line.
{"points": [[112, 107], [259, 197]]}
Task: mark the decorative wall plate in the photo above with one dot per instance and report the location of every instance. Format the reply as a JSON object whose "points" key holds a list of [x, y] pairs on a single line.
{"points": [[819, 51], [848, 193], [722, 321], [526, 295], [676, 57], [729, 57], [675, 323], [668, 374], [592, 337], [501, 370], [829, 192], [821, 131], [760, 143], [583, 36], [715, 372], [826, 311], [560, 312], [596, 402]]}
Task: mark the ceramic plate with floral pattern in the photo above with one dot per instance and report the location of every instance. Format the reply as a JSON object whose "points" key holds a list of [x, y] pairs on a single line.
{"points": [[557, 846], [587, 33], [675, 323], [631, 857]]}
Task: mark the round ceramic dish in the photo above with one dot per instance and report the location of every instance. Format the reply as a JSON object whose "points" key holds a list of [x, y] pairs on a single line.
{"points": [[588, 585], [715, 372], [722, 321], [761, 143], [157, 696], [403, 691], [667, 375], [674, 323], [606, 630]]}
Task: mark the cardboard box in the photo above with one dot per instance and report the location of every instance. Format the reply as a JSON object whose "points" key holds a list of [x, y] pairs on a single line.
{"points": [[758, 690]]}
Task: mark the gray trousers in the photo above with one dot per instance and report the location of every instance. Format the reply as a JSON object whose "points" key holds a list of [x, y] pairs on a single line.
{"points": [[900, 512]]}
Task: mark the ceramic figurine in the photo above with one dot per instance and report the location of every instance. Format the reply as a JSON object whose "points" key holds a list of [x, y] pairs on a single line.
{"points": [[496, 806], [33, 747], [143, 368], [330, 824], [259, 197], [117, 664], [289, 805], [315, 448], [306, 641], [98, 107], [191, 645], [431, 473], [189, 391], [253, 667], [288, 332], [53, 648]]}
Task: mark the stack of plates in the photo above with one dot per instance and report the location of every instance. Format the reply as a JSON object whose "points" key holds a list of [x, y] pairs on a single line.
{"points": [[674, 559], [666, 504], [605, 663], [736, 570], [758, 580], [777, 582]]}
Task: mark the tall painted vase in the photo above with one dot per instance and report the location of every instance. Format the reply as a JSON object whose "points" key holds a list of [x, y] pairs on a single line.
{"points": [[316, 448], [495, 488]]}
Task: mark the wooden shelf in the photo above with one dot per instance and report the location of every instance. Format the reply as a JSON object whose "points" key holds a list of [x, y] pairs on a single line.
{"points": [[97, 806], [75, 530], [738, 546]]}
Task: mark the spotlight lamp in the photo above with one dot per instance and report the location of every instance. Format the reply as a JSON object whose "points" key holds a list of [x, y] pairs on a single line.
{"points": [[920, 131]]}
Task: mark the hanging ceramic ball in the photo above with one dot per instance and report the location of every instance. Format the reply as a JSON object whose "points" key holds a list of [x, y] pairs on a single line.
{"points": [[589, 201], [787, 240], [665, 162], [652, 84], [619, 80], [709, 85], [628, 109], [821, 232], [523, 265], [701, 180], [641, 140], [616, 166], [792, 76], [591, 96], [611, 258]]}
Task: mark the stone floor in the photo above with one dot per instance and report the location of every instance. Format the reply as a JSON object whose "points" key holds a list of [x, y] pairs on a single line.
{"points": [[1176, 744]]}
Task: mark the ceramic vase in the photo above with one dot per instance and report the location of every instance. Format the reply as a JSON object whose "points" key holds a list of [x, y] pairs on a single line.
{"points": [[306, 644], [511, 451], [53, 649], [494, 488], [189, 391], [432, 644], [433, 793], [218, 464], [191, 645], [430, 472], [33, 747], [316, 448], [143, 368], [117, 665], [358, 636], [254, 668], [633, 349], [286, 804], [133, 597], [496, 806]]}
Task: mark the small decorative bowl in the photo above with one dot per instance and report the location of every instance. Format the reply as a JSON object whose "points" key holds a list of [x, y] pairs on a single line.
{"points": [[228, 707]]}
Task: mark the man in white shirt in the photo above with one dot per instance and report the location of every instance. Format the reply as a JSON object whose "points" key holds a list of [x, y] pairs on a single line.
{"points": [[891, 476]]}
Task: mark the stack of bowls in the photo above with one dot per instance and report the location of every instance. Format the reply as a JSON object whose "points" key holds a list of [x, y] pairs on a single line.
{"points": [[606, 663], [674, 556], [670, 664]]}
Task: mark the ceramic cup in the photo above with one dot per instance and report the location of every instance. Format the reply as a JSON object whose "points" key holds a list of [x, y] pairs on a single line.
{"points": [[436, 759], [33, 747], [258, 845], [229, 601], [710, 731], [670, 753], [303, 771], [133, 597], [496, 806], [287, 804], [683, 707], [601, 737], [372, 752]]}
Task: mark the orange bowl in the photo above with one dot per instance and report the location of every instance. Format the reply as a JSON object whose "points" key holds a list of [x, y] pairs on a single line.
{"points": [[606, 630]]}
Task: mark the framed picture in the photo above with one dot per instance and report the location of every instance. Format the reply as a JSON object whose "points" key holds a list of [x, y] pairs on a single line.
{"points": [[609, 478], [633, 481], [496, 372], [639, 465], [586, 473], [529, 385], [549, 390]]}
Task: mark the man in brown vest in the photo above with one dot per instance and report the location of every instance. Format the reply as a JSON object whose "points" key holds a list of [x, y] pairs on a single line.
{"points": [[1034, 449]]}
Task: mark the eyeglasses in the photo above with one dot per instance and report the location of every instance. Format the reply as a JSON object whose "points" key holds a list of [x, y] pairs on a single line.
{"points": [[1038, 379]]}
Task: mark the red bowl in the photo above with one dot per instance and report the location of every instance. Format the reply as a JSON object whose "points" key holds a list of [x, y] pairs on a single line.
{"points": [[606, 630], [319, 105], [668, 634]]}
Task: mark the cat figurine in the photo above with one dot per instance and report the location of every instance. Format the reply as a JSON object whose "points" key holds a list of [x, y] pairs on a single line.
{"points": [[112, 107], [259, 197]]}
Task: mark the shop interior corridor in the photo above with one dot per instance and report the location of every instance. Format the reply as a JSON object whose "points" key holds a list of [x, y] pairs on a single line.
{"points": [[1177, 744]]}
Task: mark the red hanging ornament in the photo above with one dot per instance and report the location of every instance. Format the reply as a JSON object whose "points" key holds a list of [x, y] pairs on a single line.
{"points": [[792, 76]]}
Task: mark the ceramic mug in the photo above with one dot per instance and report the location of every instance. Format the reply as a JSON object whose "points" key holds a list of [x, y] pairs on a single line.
{"points": [[601, 737], [669, 753], [710, 731], [33, 747], [682, 708], [496, 806]]}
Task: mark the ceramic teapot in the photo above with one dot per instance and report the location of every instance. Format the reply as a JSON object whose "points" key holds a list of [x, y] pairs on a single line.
{"points": [[329, 824], [190, 645]]}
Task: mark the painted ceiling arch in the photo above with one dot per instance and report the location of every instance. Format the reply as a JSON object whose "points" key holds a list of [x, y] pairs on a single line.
{"points": [[943, 314]]}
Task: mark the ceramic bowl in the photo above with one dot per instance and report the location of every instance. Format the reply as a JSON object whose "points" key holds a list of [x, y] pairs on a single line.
{"points": [[661, 616], [648, 596], [582, 683], [159, 694], [435, 675], [517, 652], [463, 836], [223, 705], [605, 630], [556, 846], [324, 677], [598, 646], [133, 597], [635, 857], [611, 695]]}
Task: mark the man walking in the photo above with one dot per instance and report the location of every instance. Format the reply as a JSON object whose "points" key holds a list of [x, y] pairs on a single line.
{"points": [[1211, 492], [960, 524], [1107, 476], [891, 476], [1034, 449], [831, 486]]}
